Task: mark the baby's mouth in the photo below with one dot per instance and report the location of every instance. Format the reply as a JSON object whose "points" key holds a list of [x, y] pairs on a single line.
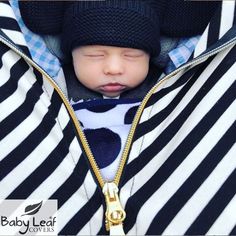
{"points": [[113, 87]]}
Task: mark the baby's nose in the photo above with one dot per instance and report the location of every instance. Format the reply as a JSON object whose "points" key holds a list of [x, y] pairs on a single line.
{"points": [[114, 66]]}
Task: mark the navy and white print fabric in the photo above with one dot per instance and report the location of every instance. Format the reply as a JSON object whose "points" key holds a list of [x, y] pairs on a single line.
{"points": [[106, 124]]}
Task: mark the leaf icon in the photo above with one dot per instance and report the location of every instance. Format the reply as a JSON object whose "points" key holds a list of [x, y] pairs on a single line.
{"points": [[32, 209]]}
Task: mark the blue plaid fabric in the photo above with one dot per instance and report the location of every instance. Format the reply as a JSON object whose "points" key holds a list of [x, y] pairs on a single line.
{"points": [[181, 53], [38, 49]]}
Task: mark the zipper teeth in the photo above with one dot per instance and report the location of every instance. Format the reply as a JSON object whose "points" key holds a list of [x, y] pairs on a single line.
{"points": [[137, 115], [132, 130], [149, 94], [68, 106]]}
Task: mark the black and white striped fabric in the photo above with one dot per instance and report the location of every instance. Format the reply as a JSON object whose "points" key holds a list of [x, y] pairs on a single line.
{"points": [[180, 176]]}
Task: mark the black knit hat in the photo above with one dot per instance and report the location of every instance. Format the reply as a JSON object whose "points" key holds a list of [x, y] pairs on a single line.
{"points": [[122, 23], [177, 18]]}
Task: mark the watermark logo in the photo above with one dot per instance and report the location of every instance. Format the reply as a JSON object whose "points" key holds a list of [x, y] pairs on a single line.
{"points": [[28, 217], [32, 209]]}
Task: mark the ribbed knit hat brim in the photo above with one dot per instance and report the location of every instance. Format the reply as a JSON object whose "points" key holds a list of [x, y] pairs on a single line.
{"points": [[130, 23]]}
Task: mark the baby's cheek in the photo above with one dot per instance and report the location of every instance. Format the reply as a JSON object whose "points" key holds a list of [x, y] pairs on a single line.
{"points": [[141, 71]]}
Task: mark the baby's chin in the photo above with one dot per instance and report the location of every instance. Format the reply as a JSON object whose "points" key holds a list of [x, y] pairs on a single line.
{"points": [[111, 94]]}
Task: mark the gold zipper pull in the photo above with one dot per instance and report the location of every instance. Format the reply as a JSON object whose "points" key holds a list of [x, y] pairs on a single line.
{"points": [[115, 214]]}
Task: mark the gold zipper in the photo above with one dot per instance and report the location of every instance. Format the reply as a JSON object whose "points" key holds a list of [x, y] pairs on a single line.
{"points": [[115, 213]]}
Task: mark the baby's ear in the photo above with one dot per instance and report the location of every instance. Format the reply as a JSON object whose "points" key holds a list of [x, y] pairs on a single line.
{"points": [[43, 17]]}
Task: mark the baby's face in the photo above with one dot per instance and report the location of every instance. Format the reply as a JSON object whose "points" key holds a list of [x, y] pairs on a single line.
{"points": [[110, 70]]}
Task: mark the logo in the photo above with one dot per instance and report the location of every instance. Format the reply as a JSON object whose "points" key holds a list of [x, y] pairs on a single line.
{"points": [[28, 217], [32, 209]]}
